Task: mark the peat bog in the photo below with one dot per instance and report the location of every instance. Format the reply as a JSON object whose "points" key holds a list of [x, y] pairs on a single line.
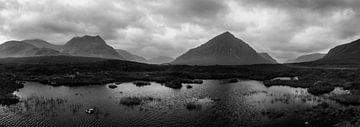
{"points": [[319, 82]]}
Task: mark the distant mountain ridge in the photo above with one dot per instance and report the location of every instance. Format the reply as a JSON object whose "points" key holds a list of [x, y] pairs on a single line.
{"points": [[23, 49], [307, 58], [90, 46], [131, 57], [43, 44], [86, 46], [224, 49], [345, 53], [160, 60]]}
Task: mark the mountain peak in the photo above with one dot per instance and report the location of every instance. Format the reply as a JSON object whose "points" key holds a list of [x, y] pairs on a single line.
{"points": [[91, 38], [86, 39], [23, 49], [90, 46], [34, 40], [224, 49], [226, 34]]}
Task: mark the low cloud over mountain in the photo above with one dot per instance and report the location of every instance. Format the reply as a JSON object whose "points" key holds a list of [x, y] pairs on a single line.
{"points": [[283, 28]]}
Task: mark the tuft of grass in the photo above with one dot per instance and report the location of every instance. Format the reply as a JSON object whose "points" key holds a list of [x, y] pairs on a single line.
{"points": [[193, 106], [8, 99], [141, 83], [192, 81], [347, 99], [134, 101], [173, 84], [321, 88], [112, 86], [189, 86], [234, 80]]}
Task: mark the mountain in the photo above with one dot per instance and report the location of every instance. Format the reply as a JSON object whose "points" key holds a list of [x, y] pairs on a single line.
{"points": [[43, 44], [346, 53], [90, 46], [160, 60], [23, 49], [224, 49], [131, 57], [59, 59], [307, 58], [268, 57]]}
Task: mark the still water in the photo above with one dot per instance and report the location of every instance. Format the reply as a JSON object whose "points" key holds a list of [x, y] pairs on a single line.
{"points": [[245, 103]]}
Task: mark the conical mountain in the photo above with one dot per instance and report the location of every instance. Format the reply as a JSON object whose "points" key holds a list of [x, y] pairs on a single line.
{"points": [[268, 57], [346, 53], [23, 49], [131, 57], [224, 49], [90, 46]]}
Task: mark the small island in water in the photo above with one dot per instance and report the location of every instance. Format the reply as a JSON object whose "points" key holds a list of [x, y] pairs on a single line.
{"points": [[179, 63]]}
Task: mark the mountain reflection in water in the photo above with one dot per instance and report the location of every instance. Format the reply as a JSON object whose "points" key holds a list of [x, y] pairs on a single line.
{"points": [[213, 103]]}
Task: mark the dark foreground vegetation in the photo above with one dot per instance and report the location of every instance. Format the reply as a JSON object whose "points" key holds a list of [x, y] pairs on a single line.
{"points": [[88, 71], [94, 71], [134, 101], [7, 86]]}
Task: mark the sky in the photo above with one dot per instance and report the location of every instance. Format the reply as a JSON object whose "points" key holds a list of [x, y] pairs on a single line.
{"points": [[283, 28]]}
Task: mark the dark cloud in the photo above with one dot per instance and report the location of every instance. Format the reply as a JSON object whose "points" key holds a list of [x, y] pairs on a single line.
{"points": [[284, 28], [324, 6]]}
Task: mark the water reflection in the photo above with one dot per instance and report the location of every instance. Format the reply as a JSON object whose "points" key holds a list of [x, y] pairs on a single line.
{"points": [[286, 78], [245, 103]]}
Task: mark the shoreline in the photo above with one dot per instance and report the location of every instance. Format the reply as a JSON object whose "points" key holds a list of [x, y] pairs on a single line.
{"points": [[96, 73]]}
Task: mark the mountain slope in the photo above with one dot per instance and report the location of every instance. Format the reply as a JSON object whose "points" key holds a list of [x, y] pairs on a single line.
{"points": [[131, 57], [224, 49], [160, 60], [22, 49], [90, 46], [268, 57], [307, 58], [346, 53], [43, 44]]}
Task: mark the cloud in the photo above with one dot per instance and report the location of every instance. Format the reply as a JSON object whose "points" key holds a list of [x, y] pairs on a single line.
{"points": [[283, 28]]}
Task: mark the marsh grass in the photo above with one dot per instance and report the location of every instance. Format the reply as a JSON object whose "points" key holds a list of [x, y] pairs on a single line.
{"points": [[134, 101]]}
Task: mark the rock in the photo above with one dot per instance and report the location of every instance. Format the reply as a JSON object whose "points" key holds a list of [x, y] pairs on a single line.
{"points": [[90, 111]]}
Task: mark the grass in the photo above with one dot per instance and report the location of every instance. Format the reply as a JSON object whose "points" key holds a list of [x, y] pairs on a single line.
{"points": [[112, 86], [193, 106], [101, 71], [134, 101], [192, 81], [347, 99], [189, 86], [141, 83], [233, 80], [173, 84], [8, 99], [320, 88]]}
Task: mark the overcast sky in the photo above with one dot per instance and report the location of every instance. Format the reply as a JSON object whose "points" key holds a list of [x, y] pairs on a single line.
{"points": [[283, 28]]}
